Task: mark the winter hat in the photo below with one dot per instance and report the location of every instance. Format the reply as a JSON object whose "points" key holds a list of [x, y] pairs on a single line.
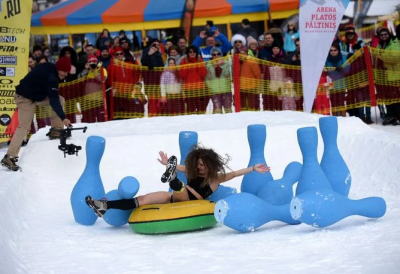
{"points": [[123, 39], [63, 64], [276, 45], [92, 59], [216, 49], [349, 29], [37, 47], [104, 48], [251, 40], [261, 37], [237, 37], [116, 49]]}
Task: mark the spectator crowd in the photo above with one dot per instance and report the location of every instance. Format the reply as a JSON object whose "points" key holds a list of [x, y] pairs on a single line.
{"points": [[185, 79]]}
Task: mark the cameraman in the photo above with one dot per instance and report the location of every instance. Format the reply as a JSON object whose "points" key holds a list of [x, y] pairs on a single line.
{"points": [[38, 87], [211, 37], [152, 57]]}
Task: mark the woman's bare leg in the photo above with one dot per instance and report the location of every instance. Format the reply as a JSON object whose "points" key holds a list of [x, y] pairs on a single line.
{"points": [[160, 197]]}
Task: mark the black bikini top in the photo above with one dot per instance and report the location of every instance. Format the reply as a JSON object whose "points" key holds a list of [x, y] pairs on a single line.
{"points": [[196, 184]]}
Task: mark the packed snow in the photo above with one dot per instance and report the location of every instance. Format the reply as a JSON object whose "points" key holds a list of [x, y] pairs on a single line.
{"points": [[39, 234]]}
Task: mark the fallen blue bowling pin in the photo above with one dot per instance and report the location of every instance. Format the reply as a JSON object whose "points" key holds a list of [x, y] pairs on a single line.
{"points": [[322, 208], [89, 183], [245, 212], [221, 193], [312, 176], [116, 217], [128, 187], [280, 192], [332, 162], [253, 181]]}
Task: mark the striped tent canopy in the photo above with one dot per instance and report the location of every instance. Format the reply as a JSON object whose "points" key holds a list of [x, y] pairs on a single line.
{"points": [[81, 16]]}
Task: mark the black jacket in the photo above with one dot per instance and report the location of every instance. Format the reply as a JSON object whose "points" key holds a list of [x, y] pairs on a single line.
{"points": [[40, 83], [152, 61]]}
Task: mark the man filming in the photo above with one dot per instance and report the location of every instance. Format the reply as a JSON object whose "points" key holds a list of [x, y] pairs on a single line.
{"points": [[38, 87]]}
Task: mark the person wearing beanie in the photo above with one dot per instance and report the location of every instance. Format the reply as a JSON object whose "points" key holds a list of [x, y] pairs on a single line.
{"points": [[38, 87], [105, 57], [250, 73], [390, 66], [37, 51], [237, 41], [253, 46], [350, 40]]}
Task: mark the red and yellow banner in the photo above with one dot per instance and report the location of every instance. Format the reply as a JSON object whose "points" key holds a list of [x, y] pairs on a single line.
{"points": [[15, 18]]}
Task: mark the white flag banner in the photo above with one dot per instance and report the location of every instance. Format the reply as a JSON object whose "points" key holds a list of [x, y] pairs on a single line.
{"points": [[318, 24]]}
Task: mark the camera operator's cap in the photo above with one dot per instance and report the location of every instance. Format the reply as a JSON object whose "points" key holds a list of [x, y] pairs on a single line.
{"points": [[64, 64], [92, 59]]}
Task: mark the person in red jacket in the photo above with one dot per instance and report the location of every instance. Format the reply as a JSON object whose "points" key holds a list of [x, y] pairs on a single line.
{"points": [[193, 73]]}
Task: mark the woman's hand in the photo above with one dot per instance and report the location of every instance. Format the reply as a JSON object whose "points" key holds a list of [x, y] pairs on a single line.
{"points": [[261, 168], [164, 158]]}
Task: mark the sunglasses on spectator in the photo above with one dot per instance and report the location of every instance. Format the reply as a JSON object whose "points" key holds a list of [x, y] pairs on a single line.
{"points": [[118, 53], [384, 34], [238, 41], [216, 54]]}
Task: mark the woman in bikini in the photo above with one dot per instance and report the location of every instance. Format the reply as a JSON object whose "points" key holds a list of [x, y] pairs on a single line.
{"points": [[204, 169]]}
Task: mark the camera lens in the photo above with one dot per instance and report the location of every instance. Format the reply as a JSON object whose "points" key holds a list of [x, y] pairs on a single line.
{"points": [[93, 66]]}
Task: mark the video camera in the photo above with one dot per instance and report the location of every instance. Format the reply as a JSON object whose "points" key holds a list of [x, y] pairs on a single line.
{"points": [[69, 149]]}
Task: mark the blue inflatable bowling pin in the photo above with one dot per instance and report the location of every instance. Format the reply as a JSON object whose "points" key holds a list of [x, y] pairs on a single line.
{"points": [[322, 208], [332, 162], [253, 181], [187, 139], [280, 192], [312, 176], [127, 189], [245, 212], [89, 183], [221, 193]]}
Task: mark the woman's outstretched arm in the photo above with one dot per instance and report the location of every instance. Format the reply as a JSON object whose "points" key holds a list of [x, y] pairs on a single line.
{"points": [[164, 160], [261, 168]]}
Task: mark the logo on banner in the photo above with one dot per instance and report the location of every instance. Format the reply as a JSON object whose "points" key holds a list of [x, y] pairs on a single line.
{"points": [[12, 49], [6, 83], [5, 120], [10, 72], [8, 39], [13, 8], [7, 93], [8, 60], [11, 30]]}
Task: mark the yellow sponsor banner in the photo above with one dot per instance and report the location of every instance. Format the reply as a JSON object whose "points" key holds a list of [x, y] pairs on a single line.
{"points": [[15, 21]]}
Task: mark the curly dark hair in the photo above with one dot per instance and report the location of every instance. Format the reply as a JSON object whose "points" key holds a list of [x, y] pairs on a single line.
{"points": [[214, 162]]}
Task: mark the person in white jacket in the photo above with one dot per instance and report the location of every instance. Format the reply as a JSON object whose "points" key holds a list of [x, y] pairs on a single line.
{"points": [[171, 101]]}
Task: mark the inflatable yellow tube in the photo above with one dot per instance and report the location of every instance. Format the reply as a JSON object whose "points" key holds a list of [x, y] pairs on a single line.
{"points": [[175, 217]]}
